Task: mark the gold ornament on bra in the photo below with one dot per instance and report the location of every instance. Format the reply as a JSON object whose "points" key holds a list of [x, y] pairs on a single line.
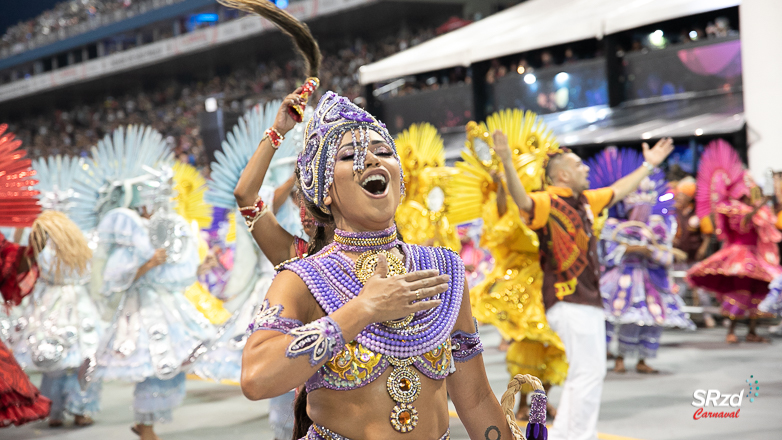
{"points": [[365, 268], [404, 387]]}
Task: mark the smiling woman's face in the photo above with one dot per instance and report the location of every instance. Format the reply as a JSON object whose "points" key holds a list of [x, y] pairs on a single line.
{"points": [[365, 200]]}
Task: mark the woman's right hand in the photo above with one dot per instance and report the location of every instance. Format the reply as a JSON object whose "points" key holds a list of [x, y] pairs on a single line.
{"points": [[283, 122], [386, 299]]}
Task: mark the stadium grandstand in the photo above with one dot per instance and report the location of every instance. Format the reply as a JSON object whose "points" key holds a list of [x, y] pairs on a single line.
{"points": [[76, 72]]}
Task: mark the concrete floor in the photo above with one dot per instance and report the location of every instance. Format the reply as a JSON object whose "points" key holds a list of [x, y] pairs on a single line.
{"points": [[633, 407]]}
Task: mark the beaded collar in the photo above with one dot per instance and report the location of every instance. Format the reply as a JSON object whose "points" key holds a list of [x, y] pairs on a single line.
{"points": [[365, 241], [331, 278]]}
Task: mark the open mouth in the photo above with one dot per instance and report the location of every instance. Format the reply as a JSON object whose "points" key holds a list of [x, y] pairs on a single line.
{"points": [[375, 184]]}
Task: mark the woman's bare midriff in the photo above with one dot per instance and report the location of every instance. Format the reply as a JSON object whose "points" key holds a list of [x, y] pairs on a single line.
{"points": [[365, 413]]}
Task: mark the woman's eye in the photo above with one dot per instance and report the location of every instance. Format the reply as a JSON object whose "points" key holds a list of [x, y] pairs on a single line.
{"points": [[384, 152], [346, 155]]}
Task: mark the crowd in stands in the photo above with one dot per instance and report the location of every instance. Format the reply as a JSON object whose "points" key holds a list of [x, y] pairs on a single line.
{"points": [[68, 15], [173, 108]]}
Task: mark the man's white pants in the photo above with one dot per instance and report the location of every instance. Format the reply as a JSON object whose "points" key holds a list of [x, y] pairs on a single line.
{"points": [[582, 330]]}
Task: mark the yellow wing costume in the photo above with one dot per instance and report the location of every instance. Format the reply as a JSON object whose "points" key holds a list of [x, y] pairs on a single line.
{"points": [[423, 217], [510, 297], [189, 203]]}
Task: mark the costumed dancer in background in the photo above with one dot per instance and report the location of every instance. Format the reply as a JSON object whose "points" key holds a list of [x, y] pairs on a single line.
{"points": [[738, 274], [510, 297], [252, 272], [147, 255], [424, 215], [63, 324], [636, 250], [20, 401], [563, 217], [693, 237], [189, 189]]}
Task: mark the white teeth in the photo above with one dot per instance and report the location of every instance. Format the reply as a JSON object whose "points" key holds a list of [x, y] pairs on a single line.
{"points": [[372, 178]]}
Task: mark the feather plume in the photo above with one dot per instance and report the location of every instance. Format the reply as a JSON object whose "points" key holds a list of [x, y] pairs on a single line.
{"points": [[18, 201], [719, 168], [298, 31]]}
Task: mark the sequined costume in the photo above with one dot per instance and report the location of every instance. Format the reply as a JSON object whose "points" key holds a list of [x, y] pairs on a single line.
{"points": [[636, 289], [252, 273], [423, 343], [423, 215], [155, 330], [20, 401], [62, 323], [738, 274], [510, 296], [189, 187], [773, 301], [63, 326]]}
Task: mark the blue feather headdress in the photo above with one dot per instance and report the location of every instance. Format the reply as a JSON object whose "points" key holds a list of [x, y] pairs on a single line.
{"points": [[130, 168], [56, 177], [240, 145]]}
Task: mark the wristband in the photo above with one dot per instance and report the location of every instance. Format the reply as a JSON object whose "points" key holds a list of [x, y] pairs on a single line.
{"points": [[649, 166], [274, 137]]}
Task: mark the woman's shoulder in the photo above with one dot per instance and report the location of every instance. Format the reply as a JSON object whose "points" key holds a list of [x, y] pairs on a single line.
{"points": [[443, 258]]}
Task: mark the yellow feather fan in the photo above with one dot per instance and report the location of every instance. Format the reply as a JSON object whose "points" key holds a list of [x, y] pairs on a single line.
{"points": [[530, 142], [190, 187], [423, 216]]}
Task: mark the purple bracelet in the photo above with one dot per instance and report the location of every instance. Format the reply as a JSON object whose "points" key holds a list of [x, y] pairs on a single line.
{"points": [[319, 340]]}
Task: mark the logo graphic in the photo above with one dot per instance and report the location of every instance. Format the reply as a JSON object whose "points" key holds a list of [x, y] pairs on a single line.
{"points": [[704, 399]]}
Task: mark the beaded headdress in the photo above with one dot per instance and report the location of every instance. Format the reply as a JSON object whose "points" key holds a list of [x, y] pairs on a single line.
{"points": [[334, 116]]}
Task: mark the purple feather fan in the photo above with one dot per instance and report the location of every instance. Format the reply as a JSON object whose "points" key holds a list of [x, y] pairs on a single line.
{"points": [[612, 164]]}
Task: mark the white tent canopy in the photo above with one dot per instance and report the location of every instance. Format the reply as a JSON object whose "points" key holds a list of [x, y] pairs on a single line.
{"points": [[531, 25]]}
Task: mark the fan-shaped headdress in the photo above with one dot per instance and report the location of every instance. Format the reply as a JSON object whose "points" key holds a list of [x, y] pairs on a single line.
{"points": [[334, 116], [530, 142], [612, 164], [130, 168], [720, 177], [239, 146], [18, 200]]}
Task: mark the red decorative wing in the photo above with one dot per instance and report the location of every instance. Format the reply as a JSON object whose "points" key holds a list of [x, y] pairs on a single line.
{"points": [[18, 201]]}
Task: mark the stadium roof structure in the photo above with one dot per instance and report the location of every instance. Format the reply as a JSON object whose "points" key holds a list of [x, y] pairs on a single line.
{"points": [[531, 25]]}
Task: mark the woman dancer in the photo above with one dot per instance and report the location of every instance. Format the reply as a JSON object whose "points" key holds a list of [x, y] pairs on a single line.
{"points": [[63, 322], [637, 252], [147, 256], [402, 325], [252, 272], [738, 274], [510, 297], [20, 401]]}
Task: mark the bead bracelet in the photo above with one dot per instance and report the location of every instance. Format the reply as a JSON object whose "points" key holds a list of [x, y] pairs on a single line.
{"points": [[274, 137], [254, 212]]}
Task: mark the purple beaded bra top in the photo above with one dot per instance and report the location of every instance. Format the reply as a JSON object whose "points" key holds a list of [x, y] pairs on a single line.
{"points": [[331, 277]]}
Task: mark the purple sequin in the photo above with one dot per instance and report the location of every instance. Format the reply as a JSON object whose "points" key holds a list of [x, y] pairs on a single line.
{"points": [[319, 340], [537, 412], [466, 346], [330, 278]]}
